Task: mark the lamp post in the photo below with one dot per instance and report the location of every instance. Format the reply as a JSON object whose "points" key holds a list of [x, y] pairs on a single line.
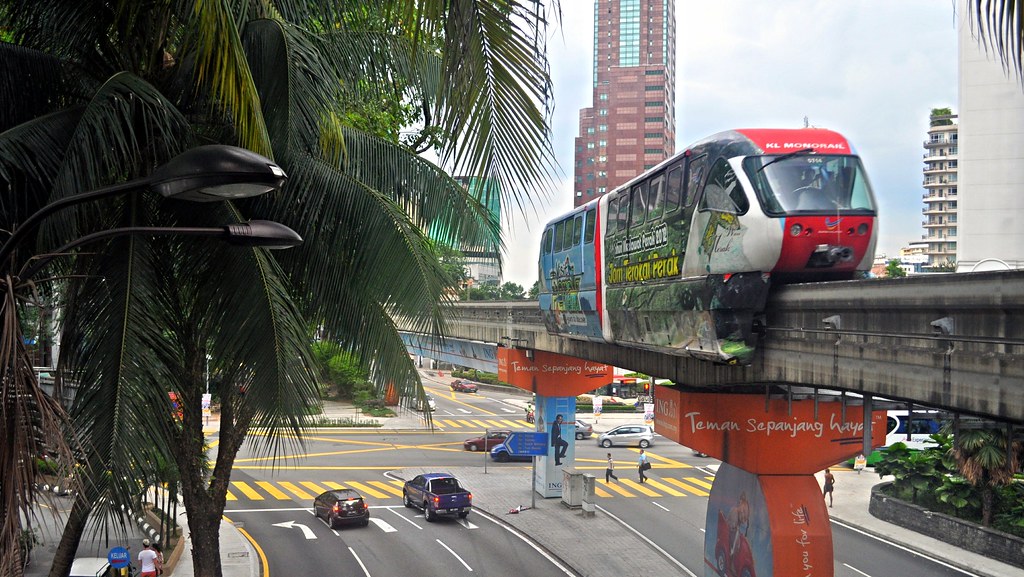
{"points": [[202, 174]]}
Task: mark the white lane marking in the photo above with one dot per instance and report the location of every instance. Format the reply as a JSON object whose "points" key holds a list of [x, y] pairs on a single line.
{"points": [[360, 561], [902, 548], [465, 523], [383, 525], [657, 504], [851, 568], [306, 531], [406, 519], [526, 540], [649, 542], [467, 411], [456, 555], [507, 410]]}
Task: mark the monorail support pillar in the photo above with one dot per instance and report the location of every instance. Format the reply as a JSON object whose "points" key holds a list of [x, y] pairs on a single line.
{"points": [[556, 380], [766, 515]]}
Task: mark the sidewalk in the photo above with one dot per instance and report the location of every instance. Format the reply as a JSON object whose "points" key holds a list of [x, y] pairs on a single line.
{"points": [[559, 530]]}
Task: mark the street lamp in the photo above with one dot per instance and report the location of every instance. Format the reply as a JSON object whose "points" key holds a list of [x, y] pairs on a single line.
{"points": [[202, 174], [264, 233]]}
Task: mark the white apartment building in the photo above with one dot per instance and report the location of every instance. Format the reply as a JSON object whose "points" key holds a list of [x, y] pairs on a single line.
{"points": [[940, 184], [990, 231]]}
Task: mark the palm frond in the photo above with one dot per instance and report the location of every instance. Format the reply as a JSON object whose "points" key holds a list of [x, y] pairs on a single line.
{"points": [[1000, 27]]}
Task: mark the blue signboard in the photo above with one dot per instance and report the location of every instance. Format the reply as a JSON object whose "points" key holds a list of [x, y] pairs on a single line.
{"points": [[533, 444], [119, 557]]}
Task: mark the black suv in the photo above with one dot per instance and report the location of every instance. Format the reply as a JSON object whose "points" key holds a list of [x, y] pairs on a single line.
{"points": [[341, 506]]}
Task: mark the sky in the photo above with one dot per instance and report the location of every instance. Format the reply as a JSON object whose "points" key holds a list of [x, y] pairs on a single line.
{"points": [[871, 70]]}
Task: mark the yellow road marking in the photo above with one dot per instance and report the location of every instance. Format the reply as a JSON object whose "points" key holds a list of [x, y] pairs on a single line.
{"points": [[334, 485], [363, 488], [618, 489], [274, 491], [386, 487], [312, 486], [481, 424], [295, 489], [601, 492], [249, 492], [507, 424], [665, 488], [259, 550], [230, 496], [638, 487], [686, 487]]}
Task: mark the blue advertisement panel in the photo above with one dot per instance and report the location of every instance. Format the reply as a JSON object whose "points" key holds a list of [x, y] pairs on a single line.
{"points": [[557, 417]]}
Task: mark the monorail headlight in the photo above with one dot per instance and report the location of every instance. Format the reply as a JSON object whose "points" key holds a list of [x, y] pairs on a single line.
{"points": [[795, 230], [862, 229]]}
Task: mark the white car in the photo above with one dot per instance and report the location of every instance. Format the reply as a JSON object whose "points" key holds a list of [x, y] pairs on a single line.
{"points": [[431, 405], [638, 435]]}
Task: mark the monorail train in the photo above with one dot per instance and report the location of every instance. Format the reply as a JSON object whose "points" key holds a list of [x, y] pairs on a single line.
{"points": [[679, 260]]}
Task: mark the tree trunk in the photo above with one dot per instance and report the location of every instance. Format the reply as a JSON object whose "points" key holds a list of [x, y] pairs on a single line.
{"points": [[204, 520], [72, 536], [987, 495]]}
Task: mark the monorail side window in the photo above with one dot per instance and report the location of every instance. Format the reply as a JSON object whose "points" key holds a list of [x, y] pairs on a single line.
{"points": [[545, 241], [638, 204], [623, 212], [613, 216], [567, 243], [722, 192], [656, 199], [694, 177], [577, 230], [674, 189], [588, 237], [559, 235]]}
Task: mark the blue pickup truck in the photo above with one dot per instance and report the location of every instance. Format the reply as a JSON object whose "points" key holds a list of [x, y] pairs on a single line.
{"points": [[437, 494]]}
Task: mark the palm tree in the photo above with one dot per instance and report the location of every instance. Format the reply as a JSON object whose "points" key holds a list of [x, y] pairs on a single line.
{"points": [[96, 92], [986, 461]]}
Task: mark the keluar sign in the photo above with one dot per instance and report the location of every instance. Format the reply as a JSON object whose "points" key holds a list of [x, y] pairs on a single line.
{"points": [[774, 438]]}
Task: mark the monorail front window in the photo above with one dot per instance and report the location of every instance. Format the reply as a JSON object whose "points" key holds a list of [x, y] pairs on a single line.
{"points": [[809, 183]]}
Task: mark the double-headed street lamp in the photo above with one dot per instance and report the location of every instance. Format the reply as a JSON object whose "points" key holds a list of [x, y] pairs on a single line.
{"points": [[203, 174]]}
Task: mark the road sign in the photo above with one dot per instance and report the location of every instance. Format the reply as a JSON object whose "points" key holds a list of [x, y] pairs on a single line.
{"points": [[533, 444], [119, 557]]}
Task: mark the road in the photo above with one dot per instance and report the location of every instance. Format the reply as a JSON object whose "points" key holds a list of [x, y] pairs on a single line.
{"points": [[669, 510]]}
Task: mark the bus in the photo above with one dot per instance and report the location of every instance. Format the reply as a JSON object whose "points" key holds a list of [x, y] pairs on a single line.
{"points": [[920, 425]]}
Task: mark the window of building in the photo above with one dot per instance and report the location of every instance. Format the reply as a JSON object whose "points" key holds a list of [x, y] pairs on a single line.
{"points": [[602, 112], [590, 130], [654, 87], [590, 145], [602, 143], [654, 103], [602, 128], [653, 151], [653, 135], [653, 72], [602, 96], [654, 119]]}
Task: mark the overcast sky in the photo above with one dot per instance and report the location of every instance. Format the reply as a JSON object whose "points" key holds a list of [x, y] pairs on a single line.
{"points": [[869, 69]]}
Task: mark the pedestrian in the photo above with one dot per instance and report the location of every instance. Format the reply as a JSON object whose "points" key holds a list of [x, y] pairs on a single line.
{"points": [[642, 465], [609, 473], [160, 557], [149, 561], [830, 482]]}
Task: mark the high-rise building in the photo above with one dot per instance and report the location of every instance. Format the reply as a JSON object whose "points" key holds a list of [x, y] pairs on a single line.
{"points": [[630, 126], [483, 262], [940, 183], [991, 157]]}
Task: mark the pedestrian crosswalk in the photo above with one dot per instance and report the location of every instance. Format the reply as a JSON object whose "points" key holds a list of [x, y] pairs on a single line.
{"points": [[466, 424], [656, 486]]}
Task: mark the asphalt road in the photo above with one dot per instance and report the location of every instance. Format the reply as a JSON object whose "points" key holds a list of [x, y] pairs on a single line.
{"points": [[669, 511]]}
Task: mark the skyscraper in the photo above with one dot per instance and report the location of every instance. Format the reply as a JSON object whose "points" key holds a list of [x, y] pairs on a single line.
{"points": [[940, 183], [630, 126]]}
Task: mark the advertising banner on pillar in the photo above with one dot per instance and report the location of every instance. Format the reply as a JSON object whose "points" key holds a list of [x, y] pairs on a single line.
{"points": [[766, 525], [774, 438], [551, 374], [556, 416]]}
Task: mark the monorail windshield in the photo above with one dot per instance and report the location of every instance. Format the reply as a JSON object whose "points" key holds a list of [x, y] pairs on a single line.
{"points": [[810, 183]]}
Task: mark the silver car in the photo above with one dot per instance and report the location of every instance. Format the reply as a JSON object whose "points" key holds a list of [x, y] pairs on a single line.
{"points": [[639, 435], [583, 429]]}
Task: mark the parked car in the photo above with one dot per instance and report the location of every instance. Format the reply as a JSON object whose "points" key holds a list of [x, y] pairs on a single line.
{"points": [[430, 405], [640, 435], [437, 494], [92, 567], [583, 429], [464, 386], [486, 443], [501, 454], [341, 506]]}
